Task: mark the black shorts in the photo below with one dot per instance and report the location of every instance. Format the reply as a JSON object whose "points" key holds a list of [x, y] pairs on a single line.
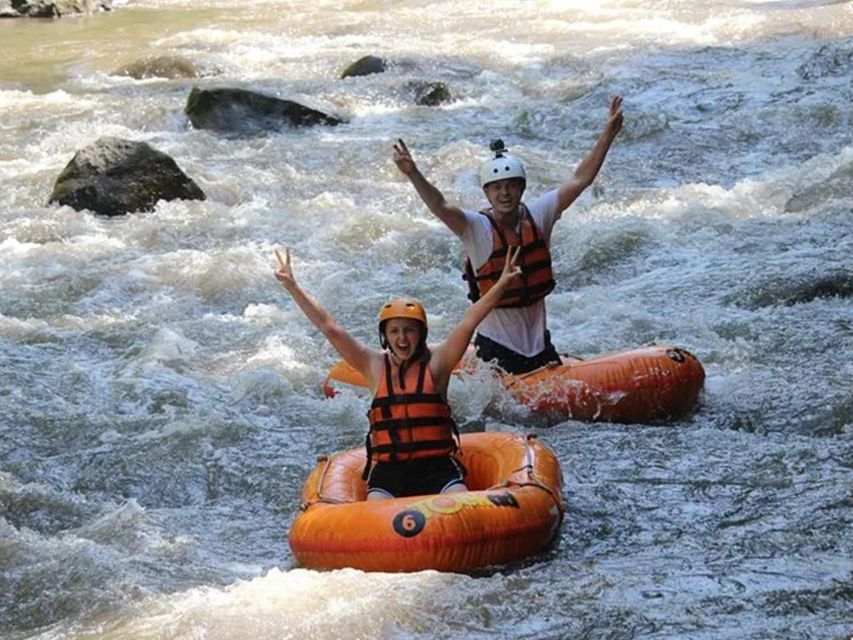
{"points": [[511, 361], [418, 477]]}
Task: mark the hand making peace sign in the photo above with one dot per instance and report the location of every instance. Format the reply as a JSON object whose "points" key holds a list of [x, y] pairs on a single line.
{"points": [[614, 118], [284, 274], [402, 157]]}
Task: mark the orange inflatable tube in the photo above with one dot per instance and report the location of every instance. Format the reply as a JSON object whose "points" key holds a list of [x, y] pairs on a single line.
{"points": [[513, 509], [641, 385]]}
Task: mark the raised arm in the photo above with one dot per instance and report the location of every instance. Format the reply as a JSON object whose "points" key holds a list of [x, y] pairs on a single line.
{"points": [[357, 354], [591, 164], [433, 198], [446, 355]]}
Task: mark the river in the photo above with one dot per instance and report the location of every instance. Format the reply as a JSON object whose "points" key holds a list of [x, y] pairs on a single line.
{"points": [[160, 399]]}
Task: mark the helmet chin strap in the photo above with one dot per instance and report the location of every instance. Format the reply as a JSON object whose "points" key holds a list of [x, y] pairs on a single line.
{"points": [[510, 219], [415, 357], [420, 349]]}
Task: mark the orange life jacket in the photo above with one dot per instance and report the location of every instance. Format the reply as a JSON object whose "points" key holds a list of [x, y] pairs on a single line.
{"points": [[408, 417], [537, 279]]}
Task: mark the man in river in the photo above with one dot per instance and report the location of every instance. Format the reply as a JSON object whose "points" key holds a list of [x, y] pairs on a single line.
{"points": [[514, 334]]}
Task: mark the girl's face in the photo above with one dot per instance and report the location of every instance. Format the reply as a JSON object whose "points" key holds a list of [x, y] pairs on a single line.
{"points": [[403, 336]]}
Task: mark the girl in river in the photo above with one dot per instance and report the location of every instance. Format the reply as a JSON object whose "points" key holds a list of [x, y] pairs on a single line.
{"points": [[412, 435]]}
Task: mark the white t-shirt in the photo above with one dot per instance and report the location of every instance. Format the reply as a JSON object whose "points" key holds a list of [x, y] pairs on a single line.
{"points": [[521, 329]]}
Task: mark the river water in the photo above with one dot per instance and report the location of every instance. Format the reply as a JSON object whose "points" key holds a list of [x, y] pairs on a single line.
{"points": [[160, 396]]}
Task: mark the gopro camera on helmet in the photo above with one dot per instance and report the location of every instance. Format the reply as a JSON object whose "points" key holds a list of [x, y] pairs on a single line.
{"points": [[498, 147], [502, 166]]}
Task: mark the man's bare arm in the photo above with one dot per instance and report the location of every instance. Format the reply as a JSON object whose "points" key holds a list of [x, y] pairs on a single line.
{"points": [[589, 167], [450, 215]]}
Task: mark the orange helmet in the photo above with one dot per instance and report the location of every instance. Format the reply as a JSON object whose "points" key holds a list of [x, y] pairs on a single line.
{"points": [[400, 308]]}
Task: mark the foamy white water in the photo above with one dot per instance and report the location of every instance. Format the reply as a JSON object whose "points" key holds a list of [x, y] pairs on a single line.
{"points": [[160, 396]]}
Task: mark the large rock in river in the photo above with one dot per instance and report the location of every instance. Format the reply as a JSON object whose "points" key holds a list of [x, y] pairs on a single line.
{"points": [[240, 111], [368, 65], [51, 8], [113, 176]]}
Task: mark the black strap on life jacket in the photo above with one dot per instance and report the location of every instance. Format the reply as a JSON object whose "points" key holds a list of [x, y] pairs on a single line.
{"points": [[393, 426], [471, 278], [538, 243]]}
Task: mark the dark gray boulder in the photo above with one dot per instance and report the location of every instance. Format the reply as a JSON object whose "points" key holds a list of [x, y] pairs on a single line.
{"points": [[51, 8], [430, 94], [113, 176], [365, 66], [171, 67], [242, 112]]}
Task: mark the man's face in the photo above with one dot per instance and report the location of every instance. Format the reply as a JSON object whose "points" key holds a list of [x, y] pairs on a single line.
{"points": [[505, 195]]}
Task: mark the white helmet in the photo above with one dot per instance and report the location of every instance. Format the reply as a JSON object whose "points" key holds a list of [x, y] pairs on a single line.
{"points": [[502, 166]]}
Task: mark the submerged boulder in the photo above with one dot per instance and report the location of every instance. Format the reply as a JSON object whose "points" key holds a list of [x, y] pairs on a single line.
{"points": [[836, 186], [792, 289], [113, 176], [246, 112], [430, 94], [365, 66], [51, 8], [171, 67], [829, 60]]}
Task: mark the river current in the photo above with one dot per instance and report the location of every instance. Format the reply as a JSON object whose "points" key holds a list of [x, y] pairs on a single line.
{"points": [[160, 399]]}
